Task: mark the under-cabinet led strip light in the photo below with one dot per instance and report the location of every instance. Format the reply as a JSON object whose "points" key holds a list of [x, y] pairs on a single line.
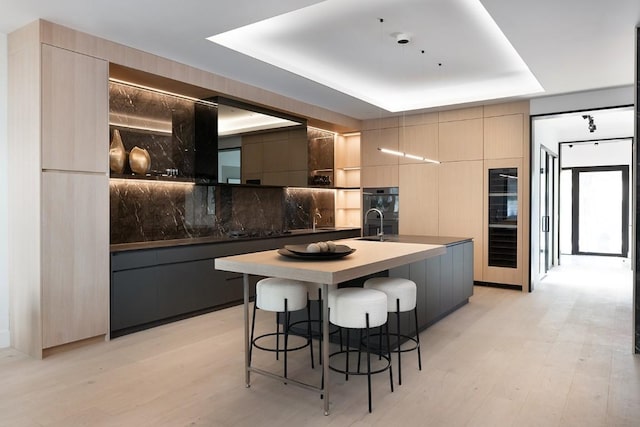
{"points": [[407, 155]]}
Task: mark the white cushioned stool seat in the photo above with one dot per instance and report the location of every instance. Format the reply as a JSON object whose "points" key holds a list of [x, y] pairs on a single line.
{"points": [[271, 293], [396, 288], [348, 307]]}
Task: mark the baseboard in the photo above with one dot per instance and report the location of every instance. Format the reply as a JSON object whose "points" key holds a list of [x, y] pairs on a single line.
{"points": [[5, 338]]}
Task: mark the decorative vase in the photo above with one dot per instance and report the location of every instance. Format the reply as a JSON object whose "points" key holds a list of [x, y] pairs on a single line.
{"points": [[139, 161], [117, 153]]}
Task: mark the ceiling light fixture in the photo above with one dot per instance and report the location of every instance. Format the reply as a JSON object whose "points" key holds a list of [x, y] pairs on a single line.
{"points": [[403, 38], [407, 155], [591, 125]]}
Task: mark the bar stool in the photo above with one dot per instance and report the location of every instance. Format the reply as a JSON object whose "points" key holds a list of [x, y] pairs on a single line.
{"points": [[358, 308], [279, 296], [401, 297]]}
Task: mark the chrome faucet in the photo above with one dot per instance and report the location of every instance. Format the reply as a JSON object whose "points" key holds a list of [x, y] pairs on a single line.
{"points": [[381, 230], [316, 214]]}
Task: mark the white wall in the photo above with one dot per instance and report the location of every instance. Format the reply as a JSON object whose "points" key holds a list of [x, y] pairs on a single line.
{"points": [[579, 101], [606, 153], [4, 247]]}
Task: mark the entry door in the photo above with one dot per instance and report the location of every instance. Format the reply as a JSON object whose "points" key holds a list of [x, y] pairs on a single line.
{"points": [[547, 209], [601, 210]]}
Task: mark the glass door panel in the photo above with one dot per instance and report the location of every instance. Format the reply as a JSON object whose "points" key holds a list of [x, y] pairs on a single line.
{"points": [[600, 212], [566, 214]]}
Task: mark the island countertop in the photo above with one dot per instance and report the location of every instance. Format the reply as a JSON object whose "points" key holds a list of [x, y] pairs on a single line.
{"points": [[428, 240], [369, 257]]}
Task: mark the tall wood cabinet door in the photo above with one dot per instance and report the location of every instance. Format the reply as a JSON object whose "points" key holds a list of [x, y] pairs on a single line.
{"points": [[75, 256], [504, 137], [75, 111], [460, 204], [419, 199]]}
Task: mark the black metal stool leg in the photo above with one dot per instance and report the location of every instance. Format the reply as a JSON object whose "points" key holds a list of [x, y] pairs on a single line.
{"points": [[309, 337], [380, 342], [253, 328], [346, 362], [368, 363], [360, 350], [277, 336], [389, 354], [398, 342], [415, 315], [286, 334]]}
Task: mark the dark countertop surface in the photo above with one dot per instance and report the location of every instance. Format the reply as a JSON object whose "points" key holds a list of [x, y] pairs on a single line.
{"points": [[220, 239], [429, 240]]}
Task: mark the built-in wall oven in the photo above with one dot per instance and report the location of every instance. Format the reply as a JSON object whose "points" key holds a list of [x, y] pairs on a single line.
{"points": [[386, 199]]}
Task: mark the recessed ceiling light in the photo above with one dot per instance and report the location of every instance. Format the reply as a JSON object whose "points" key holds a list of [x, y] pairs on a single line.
{"points": [[334, 43]]}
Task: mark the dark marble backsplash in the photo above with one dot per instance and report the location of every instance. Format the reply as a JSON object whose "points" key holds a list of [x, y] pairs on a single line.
{"points": [[143, 211]]}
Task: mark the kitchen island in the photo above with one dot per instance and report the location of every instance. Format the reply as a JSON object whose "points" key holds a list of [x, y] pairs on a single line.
{"points": [[370, 257]]}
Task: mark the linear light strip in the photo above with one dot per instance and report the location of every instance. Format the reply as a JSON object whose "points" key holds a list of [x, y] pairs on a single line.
{"points": [[165, 92], [407, 155]]}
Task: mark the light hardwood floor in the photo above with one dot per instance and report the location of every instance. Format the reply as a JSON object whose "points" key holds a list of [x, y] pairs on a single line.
{"points": [[560, 356]]}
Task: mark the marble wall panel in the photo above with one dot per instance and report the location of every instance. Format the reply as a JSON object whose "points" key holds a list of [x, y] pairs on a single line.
{"points": [[144, 211], [162, 124], [302, 203]]}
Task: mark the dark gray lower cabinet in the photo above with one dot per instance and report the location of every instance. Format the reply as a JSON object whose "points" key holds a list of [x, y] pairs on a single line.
{"points": [[153, 286], [444, 284]]}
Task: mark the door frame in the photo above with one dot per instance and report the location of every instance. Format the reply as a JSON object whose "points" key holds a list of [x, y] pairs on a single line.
{"points": [[575, 214], [551, 208]]}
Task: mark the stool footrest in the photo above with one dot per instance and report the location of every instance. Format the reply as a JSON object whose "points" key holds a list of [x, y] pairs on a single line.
{"points": [[342, 371], [415, 346], [274, 350]]}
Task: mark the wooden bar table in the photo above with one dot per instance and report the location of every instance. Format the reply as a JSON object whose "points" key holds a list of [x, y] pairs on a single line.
{"points": [[369, 257]]}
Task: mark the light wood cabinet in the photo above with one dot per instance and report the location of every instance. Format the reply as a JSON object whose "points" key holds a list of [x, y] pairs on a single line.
{"points": [[379, 176], [73, 86], [75, 280], [419, 199], [379, 138], [59, 195], [379, 169], [504, 137], [419, 140], [460, 140], [460, 205]]}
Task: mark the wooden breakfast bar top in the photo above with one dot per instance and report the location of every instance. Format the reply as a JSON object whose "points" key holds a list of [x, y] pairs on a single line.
{"points": [[369, 257]]}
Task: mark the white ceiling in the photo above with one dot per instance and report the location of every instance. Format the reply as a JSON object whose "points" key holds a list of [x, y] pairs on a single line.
{"points": [[568, 45]]}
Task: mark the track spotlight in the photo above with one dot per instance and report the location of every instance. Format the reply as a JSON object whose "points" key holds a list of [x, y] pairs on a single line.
{"points": [[591, 125]]}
